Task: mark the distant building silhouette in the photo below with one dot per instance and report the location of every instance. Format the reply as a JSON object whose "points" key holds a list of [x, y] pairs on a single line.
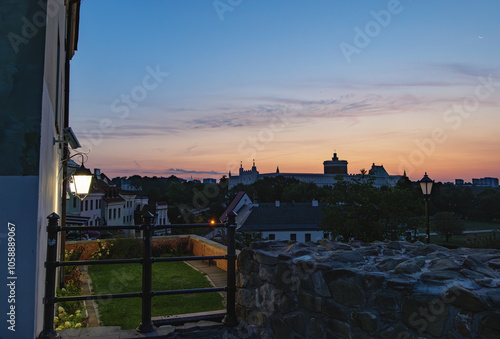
{"points": [[332, 168], [486, 182], [335, 166]]}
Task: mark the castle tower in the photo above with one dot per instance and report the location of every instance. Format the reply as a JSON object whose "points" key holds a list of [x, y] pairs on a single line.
{"points": [[335, 166]]}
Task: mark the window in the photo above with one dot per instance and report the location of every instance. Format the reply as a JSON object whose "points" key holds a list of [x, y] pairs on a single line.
{"points": [[74, 202], [110, 214], [119, 212], [272, 237], [114, 213], [293, 237], [86, 205], [308, 237], [91, 204]]}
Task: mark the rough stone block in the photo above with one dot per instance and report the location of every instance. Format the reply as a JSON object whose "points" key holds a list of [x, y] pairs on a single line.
{"points": [[373, 280], [437, 276], [425, 315], [345, 287], [407, 267], [366, 321], [241, 280], [463, 323], [244, 261], [310, 302], [332, 310], [347, 256], [282, 330], [319, 285], [396, 330], [266, 258], [443, 264], [494, 263], [245, 298], [384, 301], [298, 321], [389, 264], [478, 266], [267, 273], [463, 298]]}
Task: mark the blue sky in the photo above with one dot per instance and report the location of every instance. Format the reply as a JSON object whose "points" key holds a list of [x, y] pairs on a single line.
{"points": [[213, 83]]}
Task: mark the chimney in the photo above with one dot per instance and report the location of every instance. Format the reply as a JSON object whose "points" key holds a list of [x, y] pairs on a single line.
{"points": [[315, 203], [97, 172], [277, 203]]}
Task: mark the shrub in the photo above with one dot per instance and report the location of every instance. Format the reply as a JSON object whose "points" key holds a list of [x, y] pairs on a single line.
{"points": [[163, 249], [126, 248], [181, 247], [103, 250], [66, 319], [72, 255]]}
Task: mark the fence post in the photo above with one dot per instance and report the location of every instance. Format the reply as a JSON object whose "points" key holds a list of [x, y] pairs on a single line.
{"points": [[230, 318], [147, 240], [50, 279]]}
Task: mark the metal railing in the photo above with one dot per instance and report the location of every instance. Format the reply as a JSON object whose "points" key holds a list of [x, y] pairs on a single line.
{"points": [[146, 261]]}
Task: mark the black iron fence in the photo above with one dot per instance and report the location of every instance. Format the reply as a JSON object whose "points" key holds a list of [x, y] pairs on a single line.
{"points": [[146, 294]]}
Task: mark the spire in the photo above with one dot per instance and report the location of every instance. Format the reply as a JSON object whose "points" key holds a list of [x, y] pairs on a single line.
{"points": [[277, 169], [253, 162]]}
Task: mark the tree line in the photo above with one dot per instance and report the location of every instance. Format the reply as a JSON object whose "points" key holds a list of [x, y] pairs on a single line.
{"points": [[353, 208]]}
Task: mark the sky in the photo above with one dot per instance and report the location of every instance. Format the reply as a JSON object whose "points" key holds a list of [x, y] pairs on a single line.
{"points": [[196, 88]]}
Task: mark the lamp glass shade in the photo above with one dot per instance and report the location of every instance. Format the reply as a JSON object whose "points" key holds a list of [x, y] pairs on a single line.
{"points": [[426, 185], [72, 187], [82, 178]]}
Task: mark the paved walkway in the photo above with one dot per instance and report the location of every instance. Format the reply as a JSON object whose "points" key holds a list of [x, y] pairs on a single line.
{"points": [[216, 275], [86, 290]]}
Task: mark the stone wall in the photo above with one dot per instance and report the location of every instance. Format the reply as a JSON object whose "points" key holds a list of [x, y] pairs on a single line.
{"points": [[378, 290], [203, 246]]}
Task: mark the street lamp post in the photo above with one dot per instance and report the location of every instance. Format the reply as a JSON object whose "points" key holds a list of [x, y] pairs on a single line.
{"points": [[426, 186]]}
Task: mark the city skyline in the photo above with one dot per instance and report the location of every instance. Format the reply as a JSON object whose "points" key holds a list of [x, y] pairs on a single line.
{"points": [[193, 89]]}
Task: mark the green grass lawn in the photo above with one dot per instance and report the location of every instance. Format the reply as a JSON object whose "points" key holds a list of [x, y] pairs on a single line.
{"points": [[479, 225], [126, 312], [483, 241]]}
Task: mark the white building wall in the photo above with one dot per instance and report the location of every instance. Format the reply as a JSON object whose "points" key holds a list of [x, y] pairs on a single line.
{"points": [[116, 209], [91, 207], [128, 210], [300, 235]]}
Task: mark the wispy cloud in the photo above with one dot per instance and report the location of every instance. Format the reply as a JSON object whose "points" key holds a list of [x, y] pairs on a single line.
{"points": [[184, 171], [471, 70], [178, 172]]}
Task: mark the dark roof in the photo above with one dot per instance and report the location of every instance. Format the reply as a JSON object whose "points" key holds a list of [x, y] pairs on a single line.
{"points": [[291, 216], [232, 205], [378, 171]]}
